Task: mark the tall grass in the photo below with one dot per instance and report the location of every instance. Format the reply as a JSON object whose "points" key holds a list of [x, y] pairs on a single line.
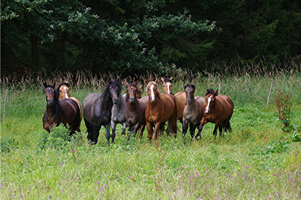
{"points": [[256, 161]]}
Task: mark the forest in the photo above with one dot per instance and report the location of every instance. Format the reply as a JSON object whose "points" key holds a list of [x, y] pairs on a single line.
{"points": [[133, 36]]}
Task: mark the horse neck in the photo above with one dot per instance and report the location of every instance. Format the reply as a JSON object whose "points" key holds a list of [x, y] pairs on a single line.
{"points": [[133, 106], [54, 110]]}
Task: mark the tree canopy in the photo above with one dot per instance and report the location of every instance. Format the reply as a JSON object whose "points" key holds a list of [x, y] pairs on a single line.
{"points": [[134, 36]]}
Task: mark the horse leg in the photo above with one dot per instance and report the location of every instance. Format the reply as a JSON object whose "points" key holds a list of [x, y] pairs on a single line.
{"points": [[162, 126], [108, 134], [113, 125], [156, 132], [141, 131], [184, 127], [123, 130], [221, 131], [192, 129], [149, 130], [203, 122]]}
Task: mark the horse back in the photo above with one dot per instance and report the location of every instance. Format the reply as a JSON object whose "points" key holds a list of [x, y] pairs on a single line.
{"points": [[170, 105], [227, 104], [70, 113], [180, 98]]}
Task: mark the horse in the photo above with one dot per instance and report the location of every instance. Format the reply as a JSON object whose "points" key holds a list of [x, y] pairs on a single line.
{"points": [[135, 109], [97, 111], [118, 110], [64, 111], [160, 108], [193, 111], [218, 110], [63, 90], [180, 97]]}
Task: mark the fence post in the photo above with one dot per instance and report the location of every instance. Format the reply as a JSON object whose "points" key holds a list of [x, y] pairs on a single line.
{"points": [[219, 88], [269, 95], [4, 110]]}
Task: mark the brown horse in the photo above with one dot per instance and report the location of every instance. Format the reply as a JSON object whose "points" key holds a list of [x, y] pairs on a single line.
{"points": [[180, 97], [63, 90], [160, 108], [218, 110], [64, 111], [193, 111], [135, 109]]}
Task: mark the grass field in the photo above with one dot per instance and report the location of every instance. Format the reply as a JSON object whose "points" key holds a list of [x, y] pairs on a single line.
{"points": [[258, 160]]}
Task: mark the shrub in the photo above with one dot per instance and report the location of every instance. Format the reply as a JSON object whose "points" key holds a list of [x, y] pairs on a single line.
{"points": [[284, 104]]}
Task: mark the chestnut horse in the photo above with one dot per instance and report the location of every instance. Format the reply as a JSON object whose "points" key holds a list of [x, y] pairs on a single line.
{"points": [[64, 111], [97, 111], [180, 97], [218, 110], [160, 108], [63, 90], [193, 111], [135, 109]]}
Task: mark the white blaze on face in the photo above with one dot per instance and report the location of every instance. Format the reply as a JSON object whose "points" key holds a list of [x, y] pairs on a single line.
{"points": [[207, 107], [66, 94], [152, 93], [168, 90]]}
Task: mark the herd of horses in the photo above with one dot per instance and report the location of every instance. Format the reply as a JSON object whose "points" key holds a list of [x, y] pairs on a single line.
{"points": [[135, 112]]}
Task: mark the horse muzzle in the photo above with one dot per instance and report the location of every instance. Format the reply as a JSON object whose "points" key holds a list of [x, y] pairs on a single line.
{"points": [[50, 102], [206, 111], [131, 100], [115, 101], [189, 101], [152, 100]]}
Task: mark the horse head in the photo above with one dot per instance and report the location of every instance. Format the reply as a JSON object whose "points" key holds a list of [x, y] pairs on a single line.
{"points": [[189, 90], [115, 88], [210, 99], [167, 85], [50, 93], [132, 91], [152, 90], [63, 90]]}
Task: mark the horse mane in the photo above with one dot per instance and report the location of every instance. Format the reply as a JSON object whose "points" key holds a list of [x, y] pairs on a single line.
{"points": [[167, 80], [107, 86], [63, 83], [209, 91]]}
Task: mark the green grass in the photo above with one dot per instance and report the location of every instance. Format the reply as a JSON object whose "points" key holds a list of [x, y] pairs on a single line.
{"points": [[256, 161]]}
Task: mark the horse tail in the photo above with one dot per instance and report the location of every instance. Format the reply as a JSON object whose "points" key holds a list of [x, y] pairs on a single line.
{"points": [[77, 118], [172, 122], [228, 128]]}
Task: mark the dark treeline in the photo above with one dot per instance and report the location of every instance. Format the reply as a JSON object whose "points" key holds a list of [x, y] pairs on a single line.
{"points": [[135, 36]]}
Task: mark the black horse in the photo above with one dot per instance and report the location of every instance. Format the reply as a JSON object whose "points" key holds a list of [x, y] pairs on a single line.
{"points": [[97, 111]]}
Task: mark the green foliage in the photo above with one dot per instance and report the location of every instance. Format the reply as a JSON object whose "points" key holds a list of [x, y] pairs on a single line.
{"points": [[59, 138], [296, 135], [7, 144], [276, 146]]}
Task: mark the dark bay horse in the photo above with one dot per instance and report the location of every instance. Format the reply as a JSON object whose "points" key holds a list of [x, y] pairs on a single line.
{"points": [[64, 111], [63, 90], [135, 111], [160, 108], [193, 111], [180, 97], [218, 110], [97, 111]]}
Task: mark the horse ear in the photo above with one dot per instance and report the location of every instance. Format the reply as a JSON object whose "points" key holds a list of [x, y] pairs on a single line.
{"points": [[136, 83], [146, 81], [45, 84], [140, 87], [193, 86], [170, 78], [162, 79], [127, 84], [216, 92], [156, 80], [118, 79], [53, 85]]}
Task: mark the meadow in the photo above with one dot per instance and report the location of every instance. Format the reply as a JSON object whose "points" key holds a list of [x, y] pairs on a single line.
{"points": [[258, 160]]}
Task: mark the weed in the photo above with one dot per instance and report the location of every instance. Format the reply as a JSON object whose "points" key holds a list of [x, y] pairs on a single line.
{"points": [[284, 105], [7, 144]]}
